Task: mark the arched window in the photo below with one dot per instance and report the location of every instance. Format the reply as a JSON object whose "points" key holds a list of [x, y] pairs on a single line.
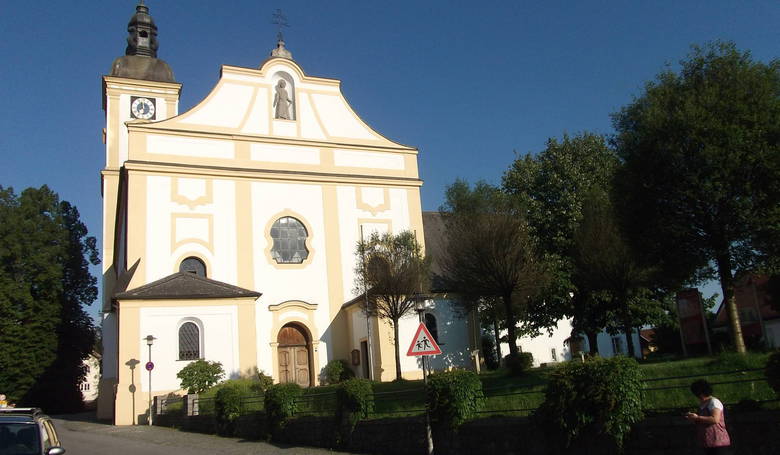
{"points": [[189, 341], [193, 265], [289, 236], [430, 324]]}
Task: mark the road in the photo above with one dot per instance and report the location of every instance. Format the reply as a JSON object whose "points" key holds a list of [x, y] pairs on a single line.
{"points": [[79, 436]]}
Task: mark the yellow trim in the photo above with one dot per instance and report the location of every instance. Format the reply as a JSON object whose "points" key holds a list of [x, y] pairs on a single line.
{"points": [[127, 408], [270, 241], [348, 143], [386, 221], [268, 175], [208, 244], [244, 235], [206, 198], [373, 209], [293, 304]]}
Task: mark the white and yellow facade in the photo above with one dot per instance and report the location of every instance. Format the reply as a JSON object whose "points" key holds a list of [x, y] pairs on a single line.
{"points": [[209, 184]]}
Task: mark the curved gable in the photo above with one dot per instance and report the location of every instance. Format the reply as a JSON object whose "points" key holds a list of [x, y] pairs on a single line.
{"points": [[242, 103]]}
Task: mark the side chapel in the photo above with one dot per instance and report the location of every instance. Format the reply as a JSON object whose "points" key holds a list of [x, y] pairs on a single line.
{"points": [[229, 230]]}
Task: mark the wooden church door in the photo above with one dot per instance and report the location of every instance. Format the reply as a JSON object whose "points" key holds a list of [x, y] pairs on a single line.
{"points": [[294, 356]]}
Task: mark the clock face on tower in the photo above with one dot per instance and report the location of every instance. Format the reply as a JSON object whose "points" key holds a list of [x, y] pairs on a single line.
{"points": [[143, 108]]}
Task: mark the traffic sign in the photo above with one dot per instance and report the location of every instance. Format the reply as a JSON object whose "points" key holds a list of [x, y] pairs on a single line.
{"points": [[149, 366], [423, 343]]}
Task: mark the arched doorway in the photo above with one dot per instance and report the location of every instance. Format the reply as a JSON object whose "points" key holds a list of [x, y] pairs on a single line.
{"points": [[294, 355]]}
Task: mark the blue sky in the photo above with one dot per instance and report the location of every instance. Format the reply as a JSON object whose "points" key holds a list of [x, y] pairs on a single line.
{"points": [[470, 84]]}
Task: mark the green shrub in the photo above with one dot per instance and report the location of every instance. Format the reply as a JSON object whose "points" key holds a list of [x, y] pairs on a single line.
{"points": [[773, 372], [354, 401], [337, 371], [227, 408], [262, 381], [280, 404], [200, 375], [592, 403], [454, 397], [520, 363]]}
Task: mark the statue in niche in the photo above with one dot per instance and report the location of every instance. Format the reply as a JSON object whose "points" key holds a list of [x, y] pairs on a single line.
{"points": [[282, 101]]}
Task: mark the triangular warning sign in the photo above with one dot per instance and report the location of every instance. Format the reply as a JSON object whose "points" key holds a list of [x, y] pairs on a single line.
{"points": [[423, 343]]}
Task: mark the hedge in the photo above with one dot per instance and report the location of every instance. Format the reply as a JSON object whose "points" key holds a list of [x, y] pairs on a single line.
{"points": [[592, 404], [454, 397]]}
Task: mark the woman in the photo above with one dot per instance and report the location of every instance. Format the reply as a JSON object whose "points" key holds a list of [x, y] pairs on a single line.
{"points": [[711, 433]]}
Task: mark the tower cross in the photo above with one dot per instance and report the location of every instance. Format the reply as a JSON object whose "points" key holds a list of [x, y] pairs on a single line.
{"points": [[280, 20]]}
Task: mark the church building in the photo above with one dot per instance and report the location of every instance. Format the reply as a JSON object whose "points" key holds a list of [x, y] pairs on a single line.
{"points": [[229, 230]]}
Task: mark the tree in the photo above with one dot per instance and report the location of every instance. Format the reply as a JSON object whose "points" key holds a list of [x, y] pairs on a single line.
{"points": [[701, 181], [391, 268], [45, 333], [553, 186], [489, 254], [607, 267], [200, 375]]}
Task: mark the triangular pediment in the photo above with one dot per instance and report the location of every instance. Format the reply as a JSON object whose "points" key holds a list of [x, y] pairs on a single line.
{"points": [[185, 285]]}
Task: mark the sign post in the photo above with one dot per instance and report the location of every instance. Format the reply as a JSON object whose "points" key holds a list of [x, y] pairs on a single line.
{"points": [[424, 345]]}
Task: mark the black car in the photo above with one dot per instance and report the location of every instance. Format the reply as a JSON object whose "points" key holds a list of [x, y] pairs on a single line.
{"points": [[27, 431]]}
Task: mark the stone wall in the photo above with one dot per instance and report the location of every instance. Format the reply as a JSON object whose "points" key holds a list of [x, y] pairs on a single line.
{"points": [[752, 433]]}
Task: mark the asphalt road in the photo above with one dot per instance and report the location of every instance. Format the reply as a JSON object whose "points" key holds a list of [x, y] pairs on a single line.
{"points": [[79, 436]]}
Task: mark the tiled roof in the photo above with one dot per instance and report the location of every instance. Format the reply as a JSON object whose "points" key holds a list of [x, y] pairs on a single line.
{"points": [[185, 285]]}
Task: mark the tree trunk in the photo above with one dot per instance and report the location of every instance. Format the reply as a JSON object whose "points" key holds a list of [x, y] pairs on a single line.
{"points": [[397, 350], [727, 286], [629, 331], [593, 343], [498, 340], [511, 329]]}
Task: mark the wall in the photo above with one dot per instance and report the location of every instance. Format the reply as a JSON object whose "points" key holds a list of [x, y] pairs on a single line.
{"points": [[751, 433]]}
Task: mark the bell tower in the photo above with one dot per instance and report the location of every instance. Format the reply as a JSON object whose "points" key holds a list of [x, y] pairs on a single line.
{"points": [[140, 88]]}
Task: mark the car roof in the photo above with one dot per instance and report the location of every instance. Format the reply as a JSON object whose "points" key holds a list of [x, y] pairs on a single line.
{"points": [[21, 414]]}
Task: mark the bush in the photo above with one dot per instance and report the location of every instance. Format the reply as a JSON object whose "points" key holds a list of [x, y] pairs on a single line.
{"points": [[519, 364], [337, 371], [354, 401], [262, 381], [592, 403], [280, 404], [773, 372], [454, 397], [200, 376], [227, 408]]}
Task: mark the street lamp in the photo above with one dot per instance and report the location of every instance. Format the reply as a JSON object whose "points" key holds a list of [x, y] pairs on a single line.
{"points": [[149, 367]]}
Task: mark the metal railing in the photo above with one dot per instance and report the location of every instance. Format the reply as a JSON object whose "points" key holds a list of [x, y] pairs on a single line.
{"points": [[411, 402]]}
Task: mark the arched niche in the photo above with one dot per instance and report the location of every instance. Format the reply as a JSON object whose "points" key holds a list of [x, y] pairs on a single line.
{"points": [[289, 83]]}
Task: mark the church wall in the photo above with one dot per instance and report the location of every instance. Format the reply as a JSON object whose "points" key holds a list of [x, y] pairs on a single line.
{"points": [[219, 341]]}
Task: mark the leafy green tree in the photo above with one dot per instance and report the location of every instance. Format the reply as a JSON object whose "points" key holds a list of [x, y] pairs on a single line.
{"points": [[701, 181], [200, 375], [552, 186], [392, 268], [45, 283], [490, 256], [607, 266]]}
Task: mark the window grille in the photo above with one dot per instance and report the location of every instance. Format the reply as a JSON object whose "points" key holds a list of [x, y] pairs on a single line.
{"points": [[289, 237], [193, 265]]}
